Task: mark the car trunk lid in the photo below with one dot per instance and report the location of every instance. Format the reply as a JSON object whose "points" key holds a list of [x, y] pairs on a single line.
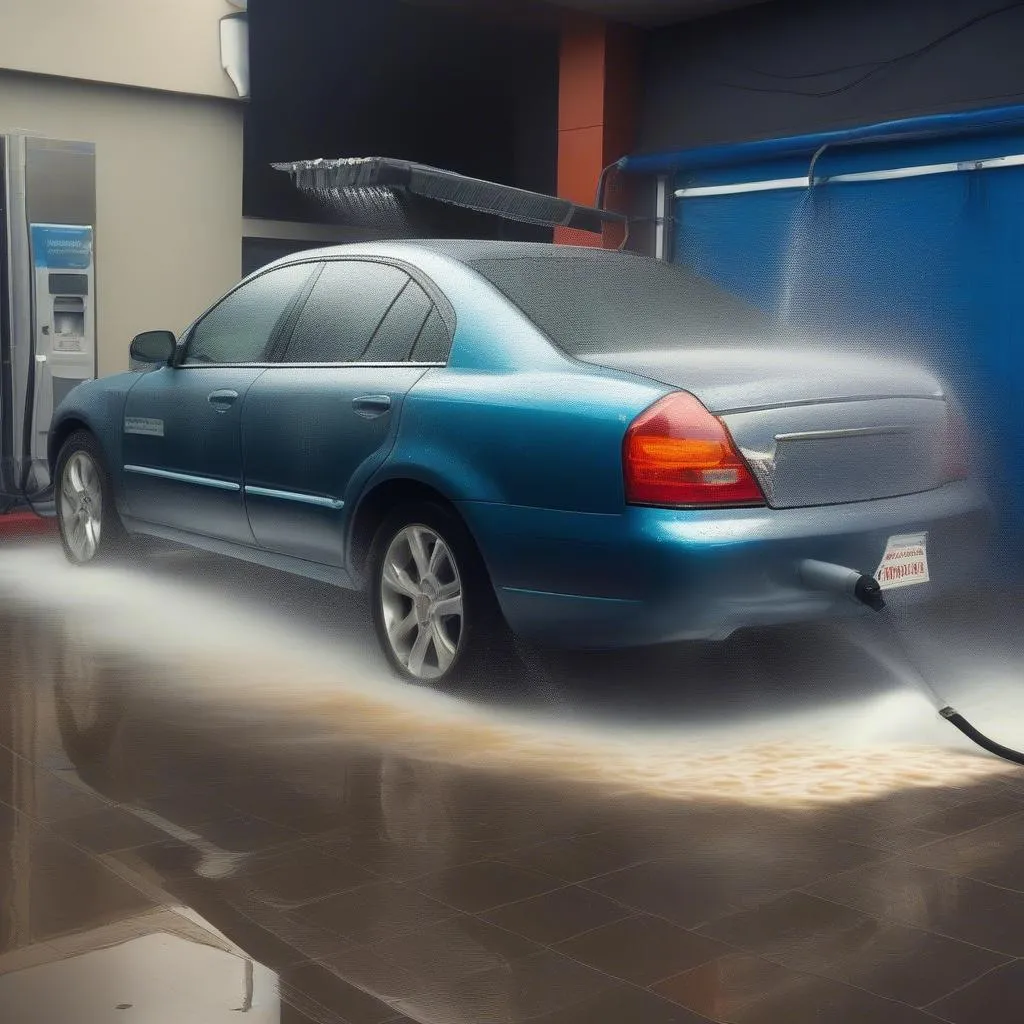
{"points": [[816, 427], [733, 377]]}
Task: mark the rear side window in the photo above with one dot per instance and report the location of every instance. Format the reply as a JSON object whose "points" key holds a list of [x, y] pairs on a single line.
{"points": [[240, 328], [398, 331], [343, 311], [434, 342]]}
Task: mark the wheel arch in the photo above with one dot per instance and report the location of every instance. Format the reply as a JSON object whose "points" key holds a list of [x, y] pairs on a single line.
{"points": [[108, 445], [379, 500], [375, 505], [61, 432]]}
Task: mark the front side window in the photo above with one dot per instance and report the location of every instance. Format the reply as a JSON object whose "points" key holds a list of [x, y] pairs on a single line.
{"points": [[241, 327]]}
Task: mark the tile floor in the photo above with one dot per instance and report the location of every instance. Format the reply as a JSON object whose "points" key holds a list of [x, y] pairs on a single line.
{"points": [[373, 888]]}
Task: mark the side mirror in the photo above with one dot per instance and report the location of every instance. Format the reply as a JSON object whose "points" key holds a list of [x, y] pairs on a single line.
{"points": [[152, 348]]}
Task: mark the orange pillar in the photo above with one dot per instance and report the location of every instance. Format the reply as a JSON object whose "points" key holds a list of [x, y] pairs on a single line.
{"points": [[596, 111]]}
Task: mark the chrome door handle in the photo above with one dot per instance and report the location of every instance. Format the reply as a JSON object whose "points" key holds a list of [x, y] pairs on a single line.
{"points": [[222, 400], [369, 406]]}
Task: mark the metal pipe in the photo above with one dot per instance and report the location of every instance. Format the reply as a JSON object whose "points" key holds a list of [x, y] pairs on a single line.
{"points": [[660, 218], [891, 174]]}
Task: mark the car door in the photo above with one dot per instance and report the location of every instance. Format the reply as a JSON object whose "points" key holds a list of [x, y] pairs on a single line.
{"points": [[181, 430], [316, 425]]}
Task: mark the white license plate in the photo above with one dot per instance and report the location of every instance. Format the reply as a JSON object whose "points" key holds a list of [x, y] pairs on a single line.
{"points": [[905, 561]]}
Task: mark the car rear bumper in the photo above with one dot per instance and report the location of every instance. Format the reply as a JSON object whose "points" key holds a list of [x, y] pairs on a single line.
{"points": [[659, 575]]}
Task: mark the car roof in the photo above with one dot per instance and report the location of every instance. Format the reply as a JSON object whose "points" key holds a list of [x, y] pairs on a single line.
{"points": [[463, 250], [478, 249]]}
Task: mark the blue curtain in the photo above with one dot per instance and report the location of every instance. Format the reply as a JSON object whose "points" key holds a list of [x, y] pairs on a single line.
{"points": [[932, 267]]}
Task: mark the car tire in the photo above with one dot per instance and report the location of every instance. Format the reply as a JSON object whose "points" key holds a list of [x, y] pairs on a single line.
{"points": [[90, 529], [442, 626]]}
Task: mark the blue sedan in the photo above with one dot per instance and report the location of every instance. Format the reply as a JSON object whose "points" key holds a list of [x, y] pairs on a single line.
{"points": [[587, 449]]}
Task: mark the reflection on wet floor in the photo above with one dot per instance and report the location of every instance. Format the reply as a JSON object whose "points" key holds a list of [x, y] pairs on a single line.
{"points": [[212, 804]]}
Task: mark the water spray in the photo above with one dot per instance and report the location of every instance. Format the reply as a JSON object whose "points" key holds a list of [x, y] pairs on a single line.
{"points": [[864, 589]]}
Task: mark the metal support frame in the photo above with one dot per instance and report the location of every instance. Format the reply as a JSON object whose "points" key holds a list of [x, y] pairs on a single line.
{"points": [[662, 218]]}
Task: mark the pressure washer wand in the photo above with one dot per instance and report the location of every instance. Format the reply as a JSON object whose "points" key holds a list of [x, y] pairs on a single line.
{"points": [[865, 589], [838, 579]]}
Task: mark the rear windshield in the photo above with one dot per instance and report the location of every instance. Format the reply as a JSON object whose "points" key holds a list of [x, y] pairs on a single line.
{"points": [[612, 302]]}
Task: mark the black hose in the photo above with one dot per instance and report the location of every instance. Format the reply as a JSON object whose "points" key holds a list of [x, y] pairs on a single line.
{"points": [[602, 180], [950, 713], [29, 418], [954, 717], [947, 711], [863, 588]]}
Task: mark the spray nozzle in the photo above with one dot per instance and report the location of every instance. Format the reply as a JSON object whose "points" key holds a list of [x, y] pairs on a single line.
{"points": [[869, 591], [840, 579]]}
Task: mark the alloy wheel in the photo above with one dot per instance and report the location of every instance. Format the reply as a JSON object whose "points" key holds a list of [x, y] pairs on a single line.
{"points": [[81, 506], [421, 601]]}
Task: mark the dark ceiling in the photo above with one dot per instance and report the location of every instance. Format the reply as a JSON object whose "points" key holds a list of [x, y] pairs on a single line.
{"points": [[653, 12], [647, 13], [396, 79]]}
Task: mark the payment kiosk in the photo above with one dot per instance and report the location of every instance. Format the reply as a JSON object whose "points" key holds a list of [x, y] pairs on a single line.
{"points": [[64, 318], [47, 298]]}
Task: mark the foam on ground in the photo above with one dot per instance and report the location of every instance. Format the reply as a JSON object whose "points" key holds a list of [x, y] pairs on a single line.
{"points": [[236, 661]]}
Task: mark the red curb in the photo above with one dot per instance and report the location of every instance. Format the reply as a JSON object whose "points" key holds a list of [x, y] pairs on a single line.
{"points": [[26, 524]]}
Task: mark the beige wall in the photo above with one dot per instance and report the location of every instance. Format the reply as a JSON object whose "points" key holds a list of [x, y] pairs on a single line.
{"points": [[168, 197], [157, 44]]}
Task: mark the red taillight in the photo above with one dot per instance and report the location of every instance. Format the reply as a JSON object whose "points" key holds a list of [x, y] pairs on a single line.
{"points": [[677, 453], [956, 447]]}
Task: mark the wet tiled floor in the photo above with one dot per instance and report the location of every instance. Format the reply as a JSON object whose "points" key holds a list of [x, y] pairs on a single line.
{"points": [[179, 842]]}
